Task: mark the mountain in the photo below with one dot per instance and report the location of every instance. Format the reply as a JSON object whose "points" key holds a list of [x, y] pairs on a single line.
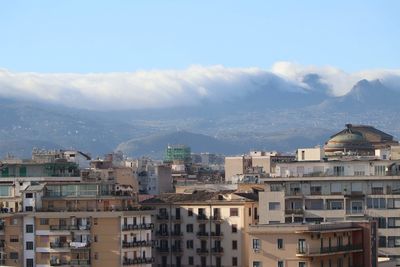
{"points": [[365, 95], [273, 117]]}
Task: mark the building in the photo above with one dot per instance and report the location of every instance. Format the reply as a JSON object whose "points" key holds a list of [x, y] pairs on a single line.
{"points": [[338, 190], [358, 140], [344, 244], [179, 153], [257, 164], [203, 228]]}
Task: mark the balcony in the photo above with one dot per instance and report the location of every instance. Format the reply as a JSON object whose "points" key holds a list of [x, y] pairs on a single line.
{"points": [[136, 261], [58, 262], [143, 226], [162, 249], [217, 218], [176, 218], [307, 252], [162, 217], [217, 251], [217, 235], [60, 227], [79, 245], [162, 233], [176, 249], [134, 244], [202, 251], [79, 227], [202, 217], [202, 234], [294, 211], [56, 245], [176, 234], [80, 262]]}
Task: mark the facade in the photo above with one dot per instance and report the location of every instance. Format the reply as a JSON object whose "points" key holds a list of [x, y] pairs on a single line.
{"points": [[256, 165], [203, 228], [177, 153], [333, 191], [346, 244]]}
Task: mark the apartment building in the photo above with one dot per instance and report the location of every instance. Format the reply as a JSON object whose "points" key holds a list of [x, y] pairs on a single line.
{"points": [[203, 228], [77, 224], [316, 192], [344, 244]]}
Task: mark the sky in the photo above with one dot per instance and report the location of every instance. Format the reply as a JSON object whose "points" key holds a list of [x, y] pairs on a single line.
{"points": [[95, 36], [139, 54]]}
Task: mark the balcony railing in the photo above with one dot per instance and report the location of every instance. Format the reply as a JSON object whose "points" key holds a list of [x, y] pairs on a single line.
{"points": [[80, 262], [58, 262], [176, 233], [202, 251], [133, 244], [176, 249], [143, 226], [217, 234], [162, 233], [163, 249], [217, 250], [202, 217], [202, 234], [217, 218], [59, 245], [134, 261], [305, 251], [79, 245], [162, 217], [294, 211]]}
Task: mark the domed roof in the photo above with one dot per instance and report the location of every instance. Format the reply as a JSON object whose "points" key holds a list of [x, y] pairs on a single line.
{"points": [[348, 140]]}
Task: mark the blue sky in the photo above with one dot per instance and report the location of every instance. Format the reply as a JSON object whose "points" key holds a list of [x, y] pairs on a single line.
{"points": [[124, 36]]}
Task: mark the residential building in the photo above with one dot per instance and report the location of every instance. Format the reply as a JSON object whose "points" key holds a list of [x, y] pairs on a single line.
{"points": [[344, 244], [203, 228]]}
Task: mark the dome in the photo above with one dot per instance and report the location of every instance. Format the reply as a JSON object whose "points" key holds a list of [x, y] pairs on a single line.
{"points": [[347, 141]]}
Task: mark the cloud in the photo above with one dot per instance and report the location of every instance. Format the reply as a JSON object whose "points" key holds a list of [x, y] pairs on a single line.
{"points": [[338, 81], [169, 88]]}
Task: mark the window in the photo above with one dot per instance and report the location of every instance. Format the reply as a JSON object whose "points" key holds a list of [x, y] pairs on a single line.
{"points": [[190, 212], [302, 264], [44, 221], [337, 171], [29, 262], [234, 212], [189, 228], [380, 170], [14, 221], [234, 261], [95, 221], [28, 195], [234, 228], [189, 244], [257, 264], [393, 222], [279, 242], [29, 245], [376, 203], [14, 239], [14, 255], [356, 207], [95, 238], [256, 244], [336, 188], [190, 260], [393, 203], [234, 244], [356, 187], [280, 263], [382, 241], [96, 255], [28, 208], [381, 222], [336, 205], [29, 228], [316, 189], [274, 205]]}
